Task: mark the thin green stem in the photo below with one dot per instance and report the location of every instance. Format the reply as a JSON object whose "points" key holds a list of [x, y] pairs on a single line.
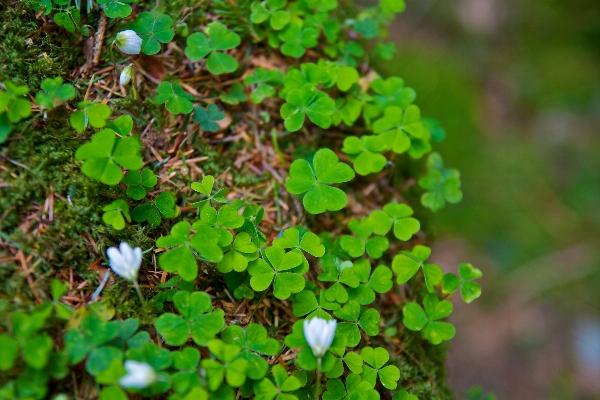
{"points": [[139, 292], [318, 385]]}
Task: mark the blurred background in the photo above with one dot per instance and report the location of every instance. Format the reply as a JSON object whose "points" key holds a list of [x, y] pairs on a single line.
{"points": [[516, 84]]}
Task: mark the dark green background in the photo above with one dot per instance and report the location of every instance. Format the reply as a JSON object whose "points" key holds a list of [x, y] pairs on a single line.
{"points": [[516, 85]]}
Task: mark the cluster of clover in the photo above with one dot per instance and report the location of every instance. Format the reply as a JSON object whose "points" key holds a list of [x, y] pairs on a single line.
{"points": [[330, 92]]}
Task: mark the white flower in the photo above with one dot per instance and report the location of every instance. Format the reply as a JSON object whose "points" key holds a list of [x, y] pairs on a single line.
{"points": [[139, 375], [129, 42], [126, 75], [126, 263], [319, 334]]}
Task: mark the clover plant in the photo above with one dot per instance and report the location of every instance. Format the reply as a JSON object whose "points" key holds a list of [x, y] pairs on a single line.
{"points": [[313, 180], [441, 184], [212, 44], [309, 101], [407, 263], [272, 11], [54, 93], [13, 108], [175, 99], [357, 245], [376, 360], [417, 319], [116, 8], [89, 113], [469, 290], [365, 153], [274, 269], [206, 117], [398, 216], [162, 206], [264, 81], [154, 29], [139, 182]]}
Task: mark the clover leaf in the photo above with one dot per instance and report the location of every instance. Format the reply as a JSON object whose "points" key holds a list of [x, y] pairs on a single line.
{"points": [[233, 368], [236, 94], [397, 127], [404, 395], [180, 258], [442, 184], [396, 215], [334, 270], [92, 334], [314, 180], [391, 92], [123, 125], [54, 92], [416, 319], [138, 182], [254, 340], [114, 213], [308, 242], [205, 187], [343, 76], [242, 251], [154, 29], [269, 389], [307, 100], [264, 80], [176, 99], [368, 321], [376, 358], [306, 359], [356, 245], [355, 388], [69, 19], [104, 156], [116, 8], [380, 281], [347, 110], [264, 272], [196, 319], [162, 205], [206, 117], [306, 302], [57, 290], [365, 153], [469, 290], [477, 393], [90, 113], [270, 10], [407, 264], [219, 38]]}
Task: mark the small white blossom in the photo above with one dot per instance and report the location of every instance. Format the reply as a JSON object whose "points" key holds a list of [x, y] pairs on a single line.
{"points": [[126, 262], [129, 42], [126, 75], [319, 334], [139, 375]]}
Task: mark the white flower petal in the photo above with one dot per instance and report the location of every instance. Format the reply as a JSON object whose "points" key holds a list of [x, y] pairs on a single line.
{"points": [[139, 375], [126, 262], [319, 334], [126, 75], [129, 42]]}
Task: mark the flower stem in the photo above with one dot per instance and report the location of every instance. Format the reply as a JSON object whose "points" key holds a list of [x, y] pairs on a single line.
{"points": [[318, 385], [139, 292]]}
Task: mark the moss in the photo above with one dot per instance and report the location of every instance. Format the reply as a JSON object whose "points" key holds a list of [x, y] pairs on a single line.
{"points": [[31, 51]]}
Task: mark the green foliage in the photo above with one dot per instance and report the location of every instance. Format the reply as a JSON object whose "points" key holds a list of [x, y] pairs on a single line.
{"points": [[236, 94], [175, 99], [416, 319], [139, 182], [116, 8], [356, 245], [54, 93], [380, 281], [477, 393], [241, 253], [376, 358], [469, 290], [90, 113], [297, 38], [275, 269], [441, 184], [180, 257], [272, 11], [162, 206], [365, 153], [104, 156], [12, 107], [196, 318], [115, 214], [314, 180], [154, 29], [406, 265], [206, 117], [212, 44], [276, 388], [255, 342], [398, 216], [309, 101], [355, 388], [263, 81], [205, 187]]}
